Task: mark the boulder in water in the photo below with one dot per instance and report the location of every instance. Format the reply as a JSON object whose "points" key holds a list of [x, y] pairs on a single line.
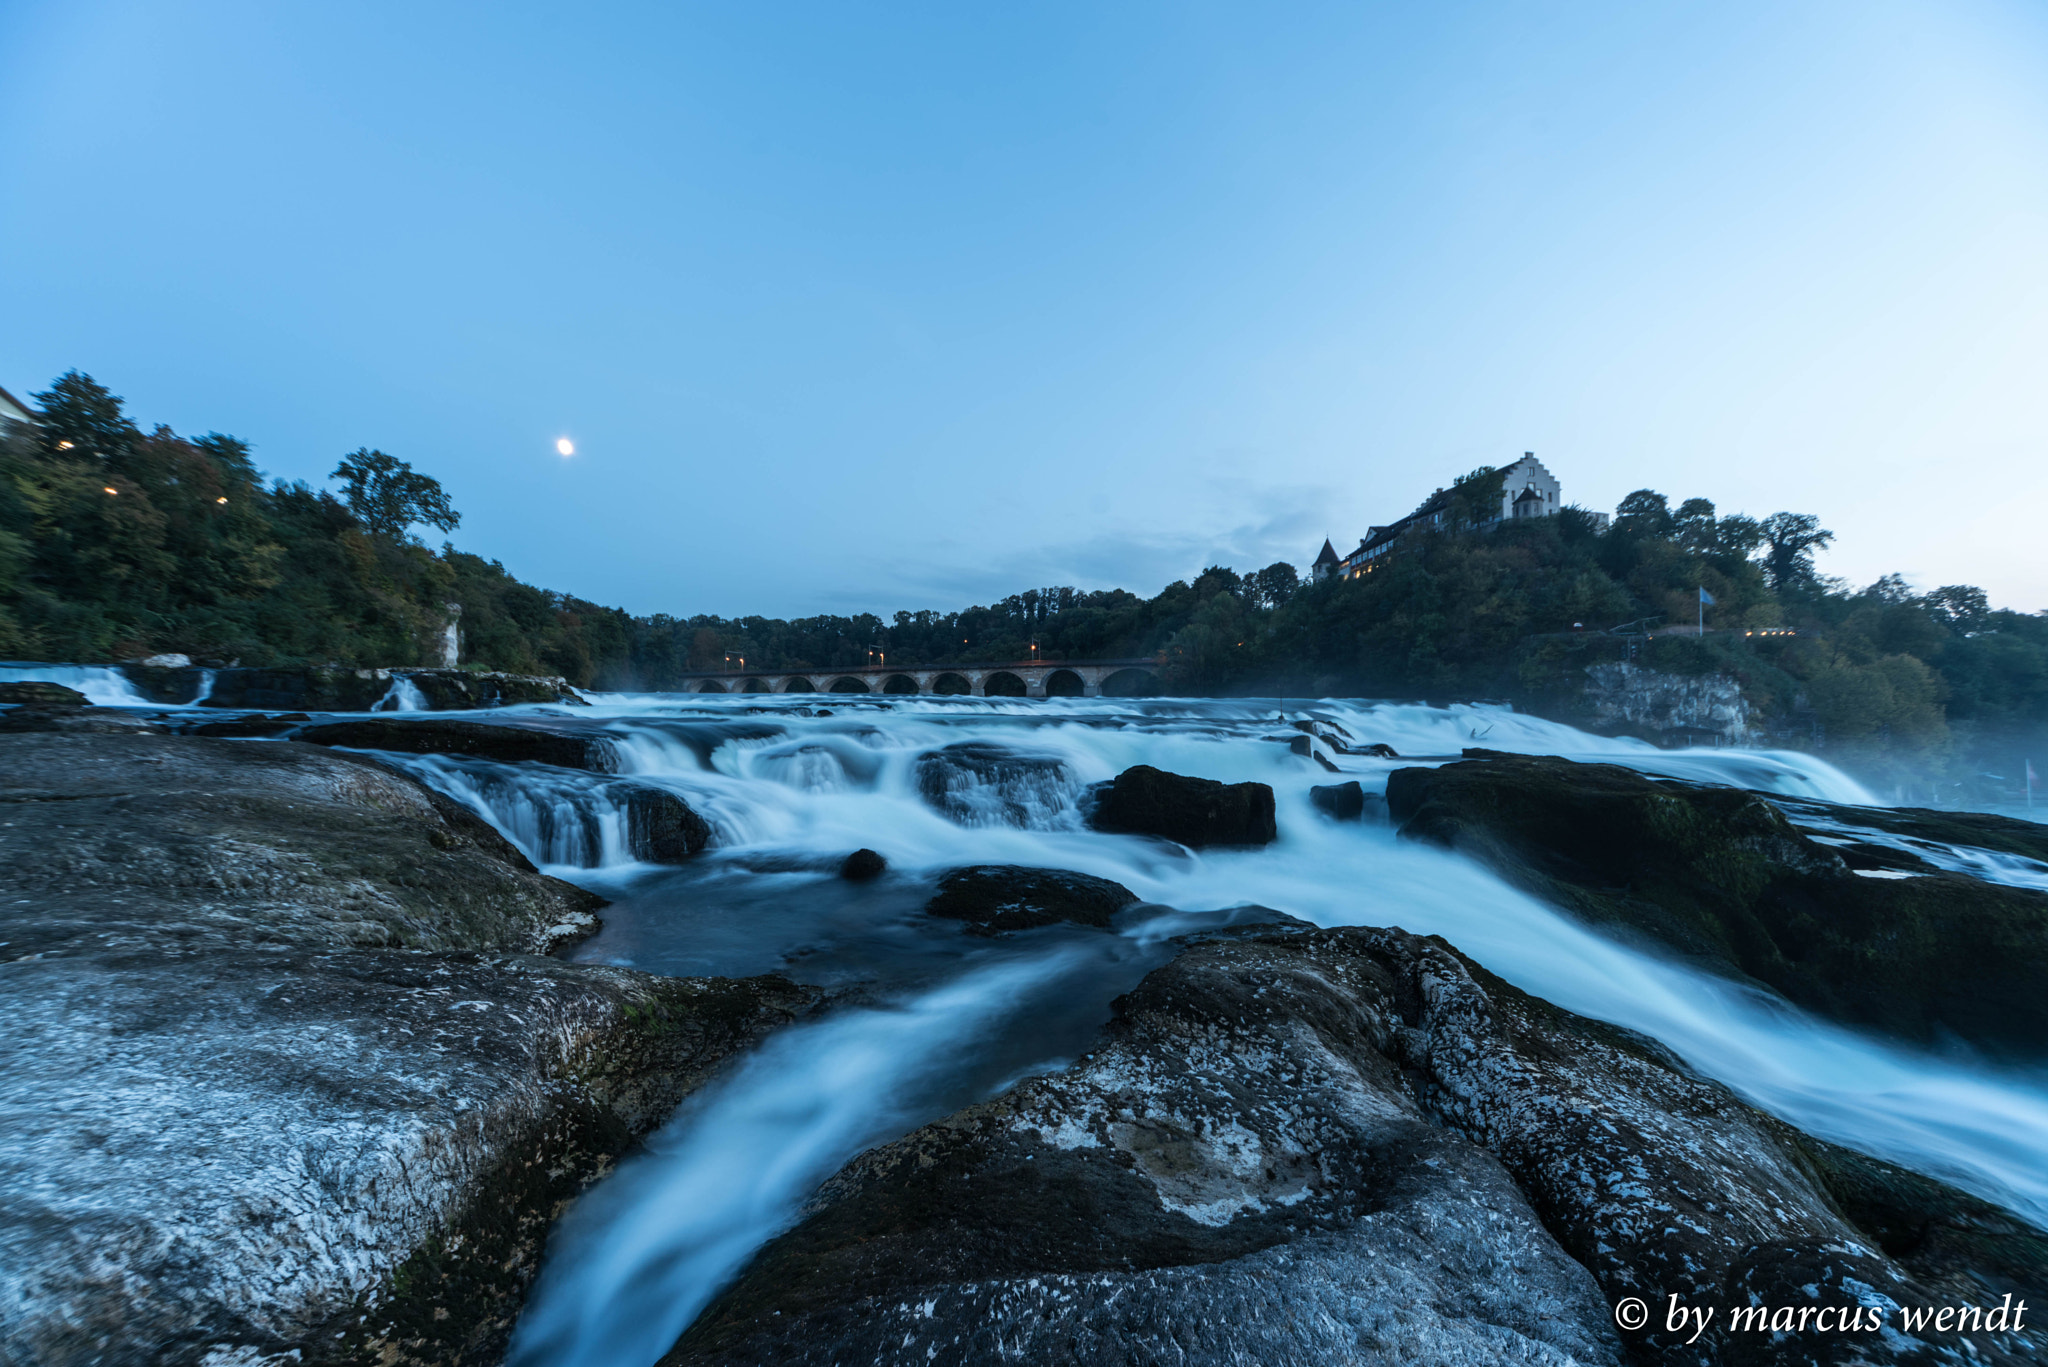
{"points": [[993, 898], [979, 784], [863, 866], [1721, 876], [1339, 801], [482, 740], [661, 828], [1197, 812], [1351, 1147]]}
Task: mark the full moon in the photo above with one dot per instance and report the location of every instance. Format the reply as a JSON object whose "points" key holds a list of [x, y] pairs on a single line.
{"points": [[566, 447]]}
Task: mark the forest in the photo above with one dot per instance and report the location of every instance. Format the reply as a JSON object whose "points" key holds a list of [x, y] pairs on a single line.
{"points": [[118, 543]]}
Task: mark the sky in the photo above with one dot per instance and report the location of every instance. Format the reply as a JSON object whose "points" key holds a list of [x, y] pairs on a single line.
{"points": [[856, 306]]}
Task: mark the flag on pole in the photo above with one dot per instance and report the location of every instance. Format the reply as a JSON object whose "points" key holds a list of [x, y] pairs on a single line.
{"points": [[1706, 599]]}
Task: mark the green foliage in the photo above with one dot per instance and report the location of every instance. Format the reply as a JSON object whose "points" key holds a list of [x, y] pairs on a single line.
{"points": [[389, 497]]}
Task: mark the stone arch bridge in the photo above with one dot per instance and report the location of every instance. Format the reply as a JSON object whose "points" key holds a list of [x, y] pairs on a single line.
{"points": [[1024, 679]]}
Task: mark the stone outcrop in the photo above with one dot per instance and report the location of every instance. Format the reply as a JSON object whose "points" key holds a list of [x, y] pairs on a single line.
{"points": [[1196, 812], [1721, 876], [287, 1079], [1671, 707], [478, 739], [1351, 1147], [993, 898], [1341, 801], [36, 693]]}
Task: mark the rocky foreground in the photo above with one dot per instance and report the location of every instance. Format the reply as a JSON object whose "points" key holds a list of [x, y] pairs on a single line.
{"points": [[1356, 1147], [289, 1076]]}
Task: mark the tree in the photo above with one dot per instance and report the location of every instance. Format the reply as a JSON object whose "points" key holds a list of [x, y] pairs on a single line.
{"points": [[388, 496], [81, 418], [1275, 584], [1792, 538], [1644, 513], [1694, 524], [1962, 608]]}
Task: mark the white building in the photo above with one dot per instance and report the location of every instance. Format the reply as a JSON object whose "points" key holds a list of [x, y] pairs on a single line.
{"points": [[13, 409], [1527, 489]]}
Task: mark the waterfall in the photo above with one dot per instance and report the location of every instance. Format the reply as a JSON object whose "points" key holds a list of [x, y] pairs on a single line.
{"points": [[103, 685]]}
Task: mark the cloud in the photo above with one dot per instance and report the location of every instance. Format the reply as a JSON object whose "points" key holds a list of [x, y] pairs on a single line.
{"points": [[1254, 526]]}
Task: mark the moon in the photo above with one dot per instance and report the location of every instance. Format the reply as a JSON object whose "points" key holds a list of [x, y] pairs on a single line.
{"points": [[565, 446]]}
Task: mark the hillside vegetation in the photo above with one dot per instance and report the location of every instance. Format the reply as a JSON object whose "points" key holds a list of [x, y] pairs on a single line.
{"points": [[117, 543]]}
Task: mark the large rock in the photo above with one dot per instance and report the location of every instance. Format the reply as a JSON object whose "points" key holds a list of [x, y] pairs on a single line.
{"points": [[1721, 876], [1197, 812], [980, 784], [993, 898], [176, 842], [282, 1084], [36, 693], [661, 828], [1352, 1147], [479, 739]]}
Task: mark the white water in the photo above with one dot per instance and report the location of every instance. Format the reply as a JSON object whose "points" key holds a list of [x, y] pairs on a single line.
{"points": [[636, 1261], [403, 696], [103, 685], [788, 795]]}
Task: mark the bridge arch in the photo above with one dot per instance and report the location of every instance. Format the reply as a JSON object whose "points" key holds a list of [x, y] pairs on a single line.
{"points": [[1064, 683], [899, 683], [711, 686], [1130, 683], [952, 685], [1003, 684], [849, 683], [799, 684], [756, 686]]}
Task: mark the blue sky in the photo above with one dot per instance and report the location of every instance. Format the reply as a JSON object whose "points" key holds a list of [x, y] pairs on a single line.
{"points": [[864, 306]]}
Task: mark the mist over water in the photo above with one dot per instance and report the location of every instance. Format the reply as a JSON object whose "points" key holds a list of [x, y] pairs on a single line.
{"points": [[945, 1018]]}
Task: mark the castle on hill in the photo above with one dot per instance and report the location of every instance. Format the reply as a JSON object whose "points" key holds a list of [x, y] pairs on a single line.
{"points": [[1527, 489]]}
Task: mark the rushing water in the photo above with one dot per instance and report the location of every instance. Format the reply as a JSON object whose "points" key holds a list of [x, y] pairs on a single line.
{"points": [[936, 783]]}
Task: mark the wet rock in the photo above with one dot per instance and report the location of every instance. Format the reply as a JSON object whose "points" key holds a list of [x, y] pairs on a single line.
{"points": [[994, 898], [1197, 812], [863, 866], [455, 689], [1376, 750], [661, 828], [81, 721], [1339, 801], [282, 1085], [1345, 1147], [251, 728], [176, 843], [1721, 876], [36, 693], [1306, 747], [482, 740], [1979, 830], [979, 784]]}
